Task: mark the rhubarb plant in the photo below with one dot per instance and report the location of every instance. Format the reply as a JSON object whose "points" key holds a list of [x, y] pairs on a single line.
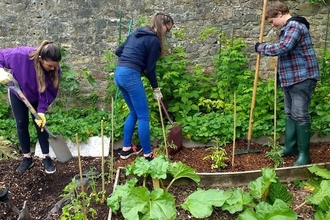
{"points": [[137, 202], [320, 186], [267, 198]]}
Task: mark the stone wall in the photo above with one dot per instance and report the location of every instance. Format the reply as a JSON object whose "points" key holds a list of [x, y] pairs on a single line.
{"points": [[87, 27]]}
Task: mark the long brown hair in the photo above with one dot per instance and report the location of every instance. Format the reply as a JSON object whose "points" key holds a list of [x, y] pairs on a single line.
{"points": [[157, 21], [49, 52]]}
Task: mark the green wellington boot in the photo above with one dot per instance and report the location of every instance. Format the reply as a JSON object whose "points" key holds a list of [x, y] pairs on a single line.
{"points": [[303, 134], [290, 143]]}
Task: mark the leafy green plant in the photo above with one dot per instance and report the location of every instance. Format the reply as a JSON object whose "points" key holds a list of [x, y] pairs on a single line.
{"points": [[6, 149], [320, 198], [218, 156], [266, 191], [94, 194], [275, 153], [137, 202], [75, 209], [267, 197]]}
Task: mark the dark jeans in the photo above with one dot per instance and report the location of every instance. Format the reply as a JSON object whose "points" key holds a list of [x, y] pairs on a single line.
{"points": [[21, 114], [130, 84], [297, 99]]}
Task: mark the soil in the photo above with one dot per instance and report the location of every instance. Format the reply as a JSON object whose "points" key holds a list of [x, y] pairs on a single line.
{"points": [[42, 191]]}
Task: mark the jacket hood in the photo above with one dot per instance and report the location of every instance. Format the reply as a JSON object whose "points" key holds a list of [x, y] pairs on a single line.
{"points": [[300, 20], [143, 32]]}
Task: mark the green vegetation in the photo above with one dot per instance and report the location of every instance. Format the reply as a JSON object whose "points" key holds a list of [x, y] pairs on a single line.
{"points": [[199, 99], [266, 198]]}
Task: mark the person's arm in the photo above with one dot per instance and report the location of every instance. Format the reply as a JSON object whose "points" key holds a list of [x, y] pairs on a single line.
{"points": [[290, 38], [120, 49], [153, 56]]}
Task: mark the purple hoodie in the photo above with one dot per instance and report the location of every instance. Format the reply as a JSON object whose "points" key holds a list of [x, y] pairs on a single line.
{"points": [[22, 68]]}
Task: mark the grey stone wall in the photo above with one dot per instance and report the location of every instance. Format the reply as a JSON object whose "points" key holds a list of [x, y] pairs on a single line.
{"points": [[87, 27]]}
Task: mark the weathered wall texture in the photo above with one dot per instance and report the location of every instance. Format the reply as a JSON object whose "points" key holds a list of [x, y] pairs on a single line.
{"points": [[87, 27]]}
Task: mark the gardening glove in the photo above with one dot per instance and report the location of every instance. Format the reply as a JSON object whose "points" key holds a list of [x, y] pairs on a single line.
{"points": [[5, 77], [157, 94], [41, 122]]}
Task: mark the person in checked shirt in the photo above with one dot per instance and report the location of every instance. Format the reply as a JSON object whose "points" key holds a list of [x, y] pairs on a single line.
{"points": [[297, 73]]}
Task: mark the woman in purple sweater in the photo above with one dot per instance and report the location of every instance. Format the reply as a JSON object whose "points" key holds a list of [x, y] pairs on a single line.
{"points": [[38, 73]]}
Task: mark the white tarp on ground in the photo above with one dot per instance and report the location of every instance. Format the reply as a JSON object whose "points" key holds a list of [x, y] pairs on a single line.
{"points": [[92, 148]]}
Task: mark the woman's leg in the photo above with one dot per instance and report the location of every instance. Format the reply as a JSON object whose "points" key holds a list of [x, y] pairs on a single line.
{"points": [[21, 115], [131, 86]]}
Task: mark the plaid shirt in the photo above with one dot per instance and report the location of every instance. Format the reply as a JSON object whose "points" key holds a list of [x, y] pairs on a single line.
{"points": [[296, 57]]}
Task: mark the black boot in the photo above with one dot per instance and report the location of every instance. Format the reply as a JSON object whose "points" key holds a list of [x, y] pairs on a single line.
{"points": [[290, 144], [303, 134]]}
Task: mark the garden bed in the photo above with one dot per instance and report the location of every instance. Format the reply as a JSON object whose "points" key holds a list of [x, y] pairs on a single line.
{"points": [[42, 191]]}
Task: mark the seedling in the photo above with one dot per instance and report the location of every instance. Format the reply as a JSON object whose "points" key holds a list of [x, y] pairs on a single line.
{"points": [[218, 156], [275, 153]]}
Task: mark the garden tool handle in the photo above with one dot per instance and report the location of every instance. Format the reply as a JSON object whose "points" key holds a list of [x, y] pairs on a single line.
{"points": [[165, 111], [17, 89]]}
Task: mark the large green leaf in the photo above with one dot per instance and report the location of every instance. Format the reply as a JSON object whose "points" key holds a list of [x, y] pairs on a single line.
{"points": [[322, 172], [200, 203], [264, 211], [155, 205], [323, 192], [237, 201], [179, 170]]}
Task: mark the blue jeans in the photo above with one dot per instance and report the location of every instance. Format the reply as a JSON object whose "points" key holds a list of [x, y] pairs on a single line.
{"points": [[130, 84], [297, 99]]}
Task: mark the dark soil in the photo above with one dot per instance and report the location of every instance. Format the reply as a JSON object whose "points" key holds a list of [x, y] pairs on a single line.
{"points": [[42, 191]]}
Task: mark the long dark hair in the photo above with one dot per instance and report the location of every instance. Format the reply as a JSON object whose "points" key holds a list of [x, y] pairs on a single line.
{"points": [[157, 21], [46, 51]]}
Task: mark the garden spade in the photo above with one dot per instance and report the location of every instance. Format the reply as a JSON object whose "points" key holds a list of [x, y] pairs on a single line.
{"points": [[57, 142], [175, 135], [22, 214]]}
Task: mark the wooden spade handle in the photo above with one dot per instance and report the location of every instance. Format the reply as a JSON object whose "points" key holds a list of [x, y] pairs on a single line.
{"points": [[165, 111]]}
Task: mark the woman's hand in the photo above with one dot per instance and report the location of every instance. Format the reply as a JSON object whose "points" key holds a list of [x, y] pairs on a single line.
{"points": [[157, 94]]}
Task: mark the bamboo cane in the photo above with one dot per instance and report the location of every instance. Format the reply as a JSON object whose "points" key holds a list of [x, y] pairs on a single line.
{"points": [[102, 164], [275, 106], [234, 136], [81, 179], [256, 75]]}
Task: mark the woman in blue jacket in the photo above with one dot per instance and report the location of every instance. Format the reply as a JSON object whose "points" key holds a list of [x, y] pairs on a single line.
{"points": [[138, 56], [37, 72]]}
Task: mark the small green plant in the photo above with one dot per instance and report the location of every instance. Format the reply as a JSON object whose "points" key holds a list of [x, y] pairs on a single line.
{"points": [[6, 149], [94, 194], [275, 153], [218, 156], [75, 209]]}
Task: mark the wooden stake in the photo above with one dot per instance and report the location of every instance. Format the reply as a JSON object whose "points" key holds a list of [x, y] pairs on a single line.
{"points": [[234, 136], [81, 179], [102, 165], [275, 106]]}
